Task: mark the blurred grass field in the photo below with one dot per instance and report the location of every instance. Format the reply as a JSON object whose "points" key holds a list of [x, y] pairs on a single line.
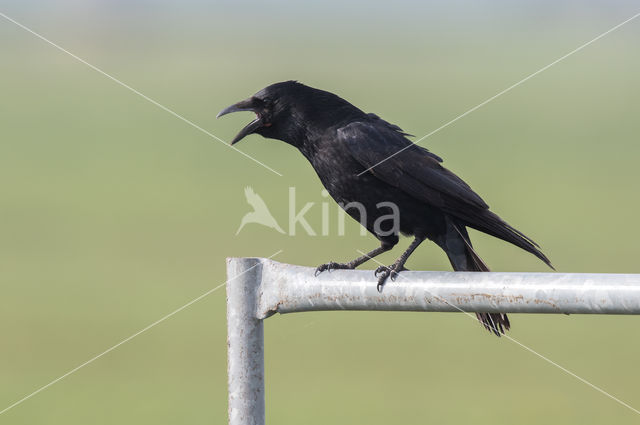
{"points": [[113, 213]]}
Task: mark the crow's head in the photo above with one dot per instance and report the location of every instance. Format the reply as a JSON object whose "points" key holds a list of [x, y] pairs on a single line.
{"points": [[288, 111]]}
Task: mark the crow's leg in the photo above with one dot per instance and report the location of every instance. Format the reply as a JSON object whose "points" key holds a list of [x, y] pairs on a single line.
{"points": [[385, 272], [331, 265]]}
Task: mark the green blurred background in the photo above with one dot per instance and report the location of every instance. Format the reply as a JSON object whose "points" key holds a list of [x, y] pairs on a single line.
{"points": [[114, 213]]}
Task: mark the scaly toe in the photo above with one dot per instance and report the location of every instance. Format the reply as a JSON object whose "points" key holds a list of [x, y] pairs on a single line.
{"points": [[382, 276], [381, 282], [332, 265], [320, 269], [380, 270]]}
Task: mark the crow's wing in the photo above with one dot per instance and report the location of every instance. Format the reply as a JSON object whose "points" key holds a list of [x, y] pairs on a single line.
{"points": [[417, 172], [374, 117], [414, 170]]}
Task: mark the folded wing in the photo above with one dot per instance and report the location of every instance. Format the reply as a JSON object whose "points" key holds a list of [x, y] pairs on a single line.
{"points": [[391, 157]]}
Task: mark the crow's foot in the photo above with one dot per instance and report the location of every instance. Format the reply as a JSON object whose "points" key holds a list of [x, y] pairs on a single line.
{"points": [[385, 272], [332, 265]]}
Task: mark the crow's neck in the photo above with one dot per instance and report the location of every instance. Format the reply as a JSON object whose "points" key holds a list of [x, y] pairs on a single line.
{"points": [[307, 134]]}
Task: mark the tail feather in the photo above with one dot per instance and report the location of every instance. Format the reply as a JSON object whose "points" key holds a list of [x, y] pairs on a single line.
{"points": [[490, 223], [463, 257], [497, 323]]}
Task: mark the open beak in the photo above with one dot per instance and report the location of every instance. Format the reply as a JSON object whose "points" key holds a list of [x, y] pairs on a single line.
{"points": [[245, 105]]}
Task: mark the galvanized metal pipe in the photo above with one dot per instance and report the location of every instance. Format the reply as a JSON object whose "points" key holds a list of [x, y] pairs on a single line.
{"points": [[287, 288], [258, 288], [245, 342]]}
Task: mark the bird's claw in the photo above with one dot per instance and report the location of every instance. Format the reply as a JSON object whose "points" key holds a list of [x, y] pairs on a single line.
{"points": [[320, 269], [380, 270], [385, 272], [331, 265]]}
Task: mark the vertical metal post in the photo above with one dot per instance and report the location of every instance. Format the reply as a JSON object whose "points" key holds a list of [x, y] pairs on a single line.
{"points": [[245, 343]]}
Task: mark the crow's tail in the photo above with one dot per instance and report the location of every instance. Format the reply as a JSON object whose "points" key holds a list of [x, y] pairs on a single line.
{"points": [[457, 245], [490, 223]]}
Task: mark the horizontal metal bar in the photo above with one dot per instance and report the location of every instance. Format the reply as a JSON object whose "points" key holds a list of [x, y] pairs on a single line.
{"points": [[288, 288]]}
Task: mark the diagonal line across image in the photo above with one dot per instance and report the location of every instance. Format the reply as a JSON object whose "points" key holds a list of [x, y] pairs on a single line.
{"points": [[527, 348], [145, 97], [170, 111], [528, 77], [124, 341]]}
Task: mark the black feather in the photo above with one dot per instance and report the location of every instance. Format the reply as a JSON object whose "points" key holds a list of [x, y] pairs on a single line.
{"points": [[359, 157]]}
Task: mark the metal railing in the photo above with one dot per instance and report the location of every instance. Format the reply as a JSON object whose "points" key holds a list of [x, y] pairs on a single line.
{"points": [[258, 288]]}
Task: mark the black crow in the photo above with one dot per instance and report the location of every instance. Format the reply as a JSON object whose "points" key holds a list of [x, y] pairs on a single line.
{"points": [[360, 158]]}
